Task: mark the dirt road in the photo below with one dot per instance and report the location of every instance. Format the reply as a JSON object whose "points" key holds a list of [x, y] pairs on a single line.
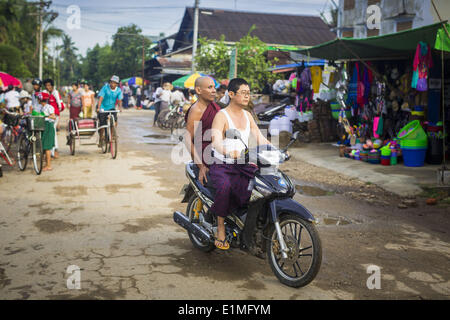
{"points": [[113, 219]]}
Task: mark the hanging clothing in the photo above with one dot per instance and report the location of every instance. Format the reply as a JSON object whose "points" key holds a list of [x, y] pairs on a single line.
{"points": [[421, 65], [316, 78], [353, 90]]}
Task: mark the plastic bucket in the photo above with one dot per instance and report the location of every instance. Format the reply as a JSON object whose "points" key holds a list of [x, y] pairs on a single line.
{"points": [[412, 131], [414, 157], [414, 144], [386, 162]]}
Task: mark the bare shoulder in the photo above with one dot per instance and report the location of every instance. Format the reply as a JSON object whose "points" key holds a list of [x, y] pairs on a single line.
{"points": [[195, 113]]}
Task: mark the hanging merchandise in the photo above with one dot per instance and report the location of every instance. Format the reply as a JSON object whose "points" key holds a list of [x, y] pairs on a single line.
{"points": [[316, 78], [353, 91], [422, 63]]}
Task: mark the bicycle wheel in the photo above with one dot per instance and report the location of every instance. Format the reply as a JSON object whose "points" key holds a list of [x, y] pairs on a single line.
{"points": [[38, 154], [7, 138], [72, 144], [104, 141], [22, 154], [113, 142]]}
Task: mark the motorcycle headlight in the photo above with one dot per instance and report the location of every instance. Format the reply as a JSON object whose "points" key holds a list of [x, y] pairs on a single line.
{"points": [[264, 191]]}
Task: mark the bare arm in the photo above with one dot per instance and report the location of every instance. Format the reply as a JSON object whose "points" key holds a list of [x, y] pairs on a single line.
{"points": [[260, 139], [100, 100], [218, 128], [195, 115]]}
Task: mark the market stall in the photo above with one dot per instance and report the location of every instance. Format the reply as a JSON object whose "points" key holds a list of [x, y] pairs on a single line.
{"points": [[388, 94]]}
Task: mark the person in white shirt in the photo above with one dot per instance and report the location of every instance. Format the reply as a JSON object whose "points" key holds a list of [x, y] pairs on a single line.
{"points": [[12, 98], [178, 98], [158, 93]]}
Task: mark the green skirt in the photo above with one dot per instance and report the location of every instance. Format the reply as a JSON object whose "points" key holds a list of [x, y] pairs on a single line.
{"points": [[48, 138]]}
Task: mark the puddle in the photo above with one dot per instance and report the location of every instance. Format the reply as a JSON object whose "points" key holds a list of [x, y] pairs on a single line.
{"points": [[340, 221], [157, 136], [312, 191]]}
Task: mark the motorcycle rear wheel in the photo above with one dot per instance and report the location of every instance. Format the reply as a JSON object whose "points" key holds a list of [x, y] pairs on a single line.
{"points": [[205, 247]]}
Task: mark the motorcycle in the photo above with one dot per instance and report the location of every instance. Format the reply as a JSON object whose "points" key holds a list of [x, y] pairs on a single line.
{"points": [[271, 111], [272, 225]]}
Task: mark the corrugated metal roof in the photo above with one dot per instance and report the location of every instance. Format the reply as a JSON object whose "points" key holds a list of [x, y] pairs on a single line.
{"points": [[270, 28]]}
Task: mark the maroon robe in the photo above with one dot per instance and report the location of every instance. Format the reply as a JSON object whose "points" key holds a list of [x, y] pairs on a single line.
{"points": [[207, 121]]}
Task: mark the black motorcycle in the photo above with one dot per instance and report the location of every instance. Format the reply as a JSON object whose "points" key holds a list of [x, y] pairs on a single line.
{"points": [[273, 225], [270, 111]]}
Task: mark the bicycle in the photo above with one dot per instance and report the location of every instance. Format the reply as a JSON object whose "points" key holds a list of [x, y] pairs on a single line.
{"points": [[30, 142], [109, 139], [11, 130]]}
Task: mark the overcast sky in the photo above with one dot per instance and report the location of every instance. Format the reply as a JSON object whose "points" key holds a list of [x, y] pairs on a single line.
{"points": [[101, 18]]}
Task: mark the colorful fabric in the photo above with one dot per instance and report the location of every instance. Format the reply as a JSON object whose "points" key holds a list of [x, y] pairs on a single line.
{"points": [[48, 137], [353, 90], [231, 182], [316, 78], [422, 63], [206, 121], [75, 99]]}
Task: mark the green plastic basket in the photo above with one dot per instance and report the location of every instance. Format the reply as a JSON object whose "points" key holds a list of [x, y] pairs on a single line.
{"points": [[412, 131], [36, 123], [414, 144]]}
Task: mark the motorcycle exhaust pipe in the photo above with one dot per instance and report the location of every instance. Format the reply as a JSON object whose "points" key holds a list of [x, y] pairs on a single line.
{"points": [[192, 228]]}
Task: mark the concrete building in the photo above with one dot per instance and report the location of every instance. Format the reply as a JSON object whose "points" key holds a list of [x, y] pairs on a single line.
{"points": [[395, 15]]}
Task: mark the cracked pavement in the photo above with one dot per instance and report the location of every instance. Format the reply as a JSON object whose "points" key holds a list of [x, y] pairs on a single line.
{"points": [[113, 219]]}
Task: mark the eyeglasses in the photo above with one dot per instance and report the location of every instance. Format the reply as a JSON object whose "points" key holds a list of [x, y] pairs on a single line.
{"points": [[244, 93]]}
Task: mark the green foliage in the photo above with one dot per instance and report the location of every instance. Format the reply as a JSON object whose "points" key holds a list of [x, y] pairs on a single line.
{"points": [[70, 70], [11, 61], [96, 66], [18, 29], [252, 64], [214, 58]]}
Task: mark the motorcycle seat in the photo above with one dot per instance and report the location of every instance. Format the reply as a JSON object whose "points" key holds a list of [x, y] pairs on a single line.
{"points": [[208, 190]]}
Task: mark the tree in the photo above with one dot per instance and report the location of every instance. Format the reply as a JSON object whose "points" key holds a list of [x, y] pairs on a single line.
{"points": [[20, 30], [70, 67], [214, 58], [11, 61], [127, 51]]}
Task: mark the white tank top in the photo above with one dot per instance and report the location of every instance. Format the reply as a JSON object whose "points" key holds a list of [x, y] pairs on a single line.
{"points": [[234, 144]]}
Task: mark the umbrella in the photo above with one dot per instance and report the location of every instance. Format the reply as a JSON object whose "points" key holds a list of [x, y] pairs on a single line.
{"points": [[133, 81], [7, 79], [188, 81]]}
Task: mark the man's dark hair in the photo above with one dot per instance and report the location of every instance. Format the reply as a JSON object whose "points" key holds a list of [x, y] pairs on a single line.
{"points": [[49, 81], [235, 84], [75, 84], [222, 87]]}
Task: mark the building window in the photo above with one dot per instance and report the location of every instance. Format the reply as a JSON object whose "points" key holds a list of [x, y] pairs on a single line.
{"points": [[404, 26], [373, 32], [349, 4], [347, 34], [371, 2]]}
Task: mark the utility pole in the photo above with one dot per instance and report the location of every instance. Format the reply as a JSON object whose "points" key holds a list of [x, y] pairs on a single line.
{"points": [[194, 44], [41, 14]]}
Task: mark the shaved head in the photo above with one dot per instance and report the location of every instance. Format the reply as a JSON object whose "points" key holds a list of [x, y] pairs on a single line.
{"points": [[205, 89], [202, 82]]}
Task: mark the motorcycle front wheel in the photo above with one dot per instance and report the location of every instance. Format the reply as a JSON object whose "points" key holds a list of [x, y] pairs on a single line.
{"points": [[304, 255]]}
